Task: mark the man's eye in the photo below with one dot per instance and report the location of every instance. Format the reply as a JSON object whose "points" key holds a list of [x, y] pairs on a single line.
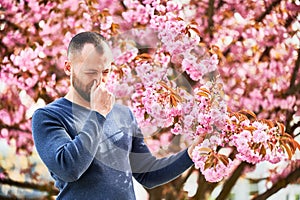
{"points": [[92, 73]]}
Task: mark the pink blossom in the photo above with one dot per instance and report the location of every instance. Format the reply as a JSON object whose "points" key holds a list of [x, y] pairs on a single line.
{"points": [[122, 90], [242, 144], [131, 3], [215, 140], [173, 6], [165, 139], [2, 175], [154, 145], [177, 129], [213, 174], [5, 117], [260, 136], [188, 120], [4, 133], [246, 135]]}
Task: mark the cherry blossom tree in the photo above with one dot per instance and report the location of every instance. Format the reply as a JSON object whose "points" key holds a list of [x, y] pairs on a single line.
{"points": [[226, 71]]}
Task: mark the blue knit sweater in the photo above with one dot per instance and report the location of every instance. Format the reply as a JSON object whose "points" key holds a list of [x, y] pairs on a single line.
{"points": [[93, 157]]}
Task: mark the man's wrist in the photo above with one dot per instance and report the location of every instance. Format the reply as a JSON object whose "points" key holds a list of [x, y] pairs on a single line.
{"points": [[190, 151]]}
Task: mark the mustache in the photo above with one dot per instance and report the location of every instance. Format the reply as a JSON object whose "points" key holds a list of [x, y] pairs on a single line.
{"points": [[89, 86]]}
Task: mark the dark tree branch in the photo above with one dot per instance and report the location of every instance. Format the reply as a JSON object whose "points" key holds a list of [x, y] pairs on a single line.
{"points": [[267, 11], [293, 128], [155, 192], [289, 117], [11, 24], [282, 183], [49, 188], [210, 14], [14, 127], [4, 49], [182, 180], [292, 90], [5, 197], [220, 4], [228, 185], [295, 71], [2, 197], [289, 21], [203, 188], [123, 5], [266, 54]]}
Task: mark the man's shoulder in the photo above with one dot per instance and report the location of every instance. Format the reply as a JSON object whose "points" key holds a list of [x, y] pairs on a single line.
{"points": [[57, 105]]}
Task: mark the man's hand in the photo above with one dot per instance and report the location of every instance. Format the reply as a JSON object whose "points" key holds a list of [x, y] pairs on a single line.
{"points": [[197, 141], [102, 101]]}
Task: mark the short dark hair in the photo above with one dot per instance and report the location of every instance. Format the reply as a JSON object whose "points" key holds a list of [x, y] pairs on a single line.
{"points": [[79, 40]]}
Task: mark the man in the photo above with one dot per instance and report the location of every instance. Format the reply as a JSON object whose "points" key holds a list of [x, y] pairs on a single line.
{"points": [[91, 146]]}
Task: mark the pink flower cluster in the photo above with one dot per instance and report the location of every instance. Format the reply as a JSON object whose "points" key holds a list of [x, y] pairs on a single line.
{"points": [[23, 69], [22, 128], [209, 162], [260, 60], [205, 113], [256, 142]]}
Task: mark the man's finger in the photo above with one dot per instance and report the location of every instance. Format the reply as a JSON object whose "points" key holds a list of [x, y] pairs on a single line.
{"points": [[94, 85]]}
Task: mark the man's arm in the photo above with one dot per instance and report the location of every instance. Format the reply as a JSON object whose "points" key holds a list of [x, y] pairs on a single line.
{"points": [[65, 157], [150, 171]]}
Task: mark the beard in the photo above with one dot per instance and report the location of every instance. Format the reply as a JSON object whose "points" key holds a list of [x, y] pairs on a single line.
{"points": [[83, 90]]}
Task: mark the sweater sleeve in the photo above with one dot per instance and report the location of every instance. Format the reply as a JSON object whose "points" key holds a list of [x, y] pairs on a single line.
{"points": [[67, 158], [152, 172]]}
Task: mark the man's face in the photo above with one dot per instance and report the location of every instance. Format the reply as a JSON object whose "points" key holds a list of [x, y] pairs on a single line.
{"points": [[90, 67]]}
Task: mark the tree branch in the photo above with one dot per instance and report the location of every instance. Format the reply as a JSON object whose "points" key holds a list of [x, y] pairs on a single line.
{"points": [[228, 185], [293, 128], [203, 188], [184, 179], [267, 11], [293, 90], [14, 127], [49, 188], [2, 197], [289, 21], [266, 54], [295, 71], [210, 14], [282, 183], [220, 4]]}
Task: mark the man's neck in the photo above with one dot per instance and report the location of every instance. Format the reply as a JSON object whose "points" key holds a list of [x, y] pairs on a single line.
{"points": [[74, 97]]}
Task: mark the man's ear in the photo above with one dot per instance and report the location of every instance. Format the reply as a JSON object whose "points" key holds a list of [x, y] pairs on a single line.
{"points": [[67, 67]]}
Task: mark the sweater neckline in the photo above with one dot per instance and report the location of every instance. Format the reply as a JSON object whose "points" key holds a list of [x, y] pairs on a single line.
{"points": [[71, 103]]}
